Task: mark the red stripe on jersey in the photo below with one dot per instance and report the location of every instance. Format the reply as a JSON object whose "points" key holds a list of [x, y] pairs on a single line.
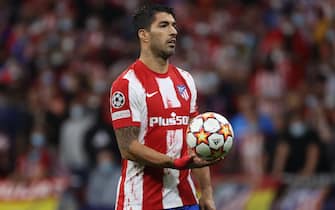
{"points": [[153, 180], [184, 185], [152, 188], [120, 198], [153, 177], [185, 188], [125, 123], [194, 114]]}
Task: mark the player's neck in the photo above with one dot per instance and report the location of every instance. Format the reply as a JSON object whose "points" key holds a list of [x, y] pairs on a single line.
{"points": [[154, 63]]}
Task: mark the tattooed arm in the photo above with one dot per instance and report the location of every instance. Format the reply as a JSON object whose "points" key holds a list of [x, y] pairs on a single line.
{"points": [[131, 149]]}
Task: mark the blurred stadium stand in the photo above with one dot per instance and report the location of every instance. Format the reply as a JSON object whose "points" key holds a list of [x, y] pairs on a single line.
{"points": [[268, 66]]}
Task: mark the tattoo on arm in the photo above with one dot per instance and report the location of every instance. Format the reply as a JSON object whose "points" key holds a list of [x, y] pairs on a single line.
{"points": [[125, 136]]}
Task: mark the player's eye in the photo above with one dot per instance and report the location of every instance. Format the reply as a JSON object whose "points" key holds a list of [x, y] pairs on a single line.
{"points": [[163, 24]]}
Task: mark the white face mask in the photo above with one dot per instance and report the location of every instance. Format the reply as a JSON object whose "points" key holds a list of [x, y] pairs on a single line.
{"points": [[297, 128]]}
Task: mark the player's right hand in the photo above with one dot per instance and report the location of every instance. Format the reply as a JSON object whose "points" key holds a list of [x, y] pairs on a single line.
{"points": [[193, 161]]}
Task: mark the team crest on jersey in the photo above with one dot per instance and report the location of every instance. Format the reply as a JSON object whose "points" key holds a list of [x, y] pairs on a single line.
{"points": [[183, 91], [118, 100]]}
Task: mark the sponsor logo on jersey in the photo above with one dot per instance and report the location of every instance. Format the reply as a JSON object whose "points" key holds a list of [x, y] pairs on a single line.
{"points": [[173, 120]]}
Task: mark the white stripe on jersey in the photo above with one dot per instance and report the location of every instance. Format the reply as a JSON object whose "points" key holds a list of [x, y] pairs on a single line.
{"points": [[118, 192], [191, 183], [137, 102], [171, 197], [168, 93], [133, 187], [121, 114], [135, 95], [190, 83], [133, 191], [174, 140]]}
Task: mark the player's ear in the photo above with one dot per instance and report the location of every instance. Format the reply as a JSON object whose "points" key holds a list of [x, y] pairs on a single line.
{"points": [[143, 35]]}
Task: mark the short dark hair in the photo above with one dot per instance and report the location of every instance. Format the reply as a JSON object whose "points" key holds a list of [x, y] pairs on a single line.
{"points": [[144, 16]]}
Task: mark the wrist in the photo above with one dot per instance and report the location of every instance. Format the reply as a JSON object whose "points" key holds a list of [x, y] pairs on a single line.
{"points": [[206, 189], [206, 193], [182, 163]]}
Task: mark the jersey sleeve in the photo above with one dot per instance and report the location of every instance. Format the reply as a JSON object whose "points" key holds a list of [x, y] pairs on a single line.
{"points": [[124, 105]]}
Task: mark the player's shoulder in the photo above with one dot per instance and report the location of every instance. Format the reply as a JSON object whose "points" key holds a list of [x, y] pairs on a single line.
{"points": [[123, 77], [179, 69], [185, 74]]}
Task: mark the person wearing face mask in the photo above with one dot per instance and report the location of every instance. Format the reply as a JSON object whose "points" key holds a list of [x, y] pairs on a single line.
{"points": [[299, 150], [103, 181], [72, 133], [36, 162]]}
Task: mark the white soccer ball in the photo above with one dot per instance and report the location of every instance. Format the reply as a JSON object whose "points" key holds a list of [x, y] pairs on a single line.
{"points": [[210, 135]]}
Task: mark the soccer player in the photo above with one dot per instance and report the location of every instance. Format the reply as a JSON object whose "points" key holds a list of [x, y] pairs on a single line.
{"points": [[152, 103]]}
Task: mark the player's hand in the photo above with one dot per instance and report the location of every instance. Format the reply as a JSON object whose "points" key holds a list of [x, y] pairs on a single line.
{"points": [[198, 162], [206, 202]]}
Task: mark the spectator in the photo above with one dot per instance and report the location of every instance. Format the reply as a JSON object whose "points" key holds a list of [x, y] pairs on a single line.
{"points": [[103, 181], [269, 86], [72, 133], [5, 161], [36, 162], [299, 150], [252, 131], [100, 136]]}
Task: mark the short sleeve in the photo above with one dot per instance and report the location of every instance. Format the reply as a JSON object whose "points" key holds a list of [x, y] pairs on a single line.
{"points": [[124, 104]]}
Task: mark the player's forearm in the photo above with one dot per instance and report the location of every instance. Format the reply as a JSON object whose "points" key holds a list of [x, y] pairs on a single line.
{"points": [[311, 159], [204, 179], [131, 149], [147, 156], [280, 158]]}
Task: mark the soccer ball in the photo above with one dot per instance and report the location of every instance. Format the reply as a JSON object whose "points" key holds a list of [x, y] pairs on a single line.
{"points": [[210, 135]]}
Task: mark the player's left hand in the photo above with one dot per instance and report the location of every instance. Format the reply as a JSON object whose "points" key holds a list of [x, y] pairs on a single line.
{"points": [[206, 202]]}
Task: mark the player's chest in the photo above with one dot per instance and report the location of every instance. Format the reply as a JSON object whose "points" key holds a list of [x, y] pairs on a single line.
{"points": [[166, 95]]}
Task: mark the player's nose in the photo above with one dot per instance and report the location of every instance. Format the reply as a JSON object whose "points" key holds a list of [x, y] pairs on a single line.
{"points": [[173, 31]]}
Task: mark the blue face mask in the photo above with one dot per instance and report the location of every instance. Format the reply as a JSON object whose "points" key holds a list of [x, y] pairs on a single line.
{"points": [[37, 140], [105, 166], [77, 111], [298, 20]]}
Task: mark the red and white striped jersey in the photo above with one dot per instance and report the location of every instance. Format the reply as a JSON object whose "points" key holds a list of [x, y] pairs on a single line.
{"points": [[161, 105]]}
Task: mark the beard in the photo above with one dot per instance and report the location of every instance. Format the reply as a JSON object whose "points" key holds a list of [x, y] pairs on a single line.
{"points": [[162, 53]]}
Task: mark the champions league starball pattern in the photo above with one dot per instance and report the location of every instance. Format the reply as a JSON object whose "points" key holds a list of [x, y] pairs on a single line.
{"points": [[210, 135]]}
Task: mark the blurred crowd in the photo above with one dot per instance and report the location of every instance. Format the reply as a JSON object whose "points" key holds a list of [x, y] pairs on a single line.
{"points": [[268, 66]]}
